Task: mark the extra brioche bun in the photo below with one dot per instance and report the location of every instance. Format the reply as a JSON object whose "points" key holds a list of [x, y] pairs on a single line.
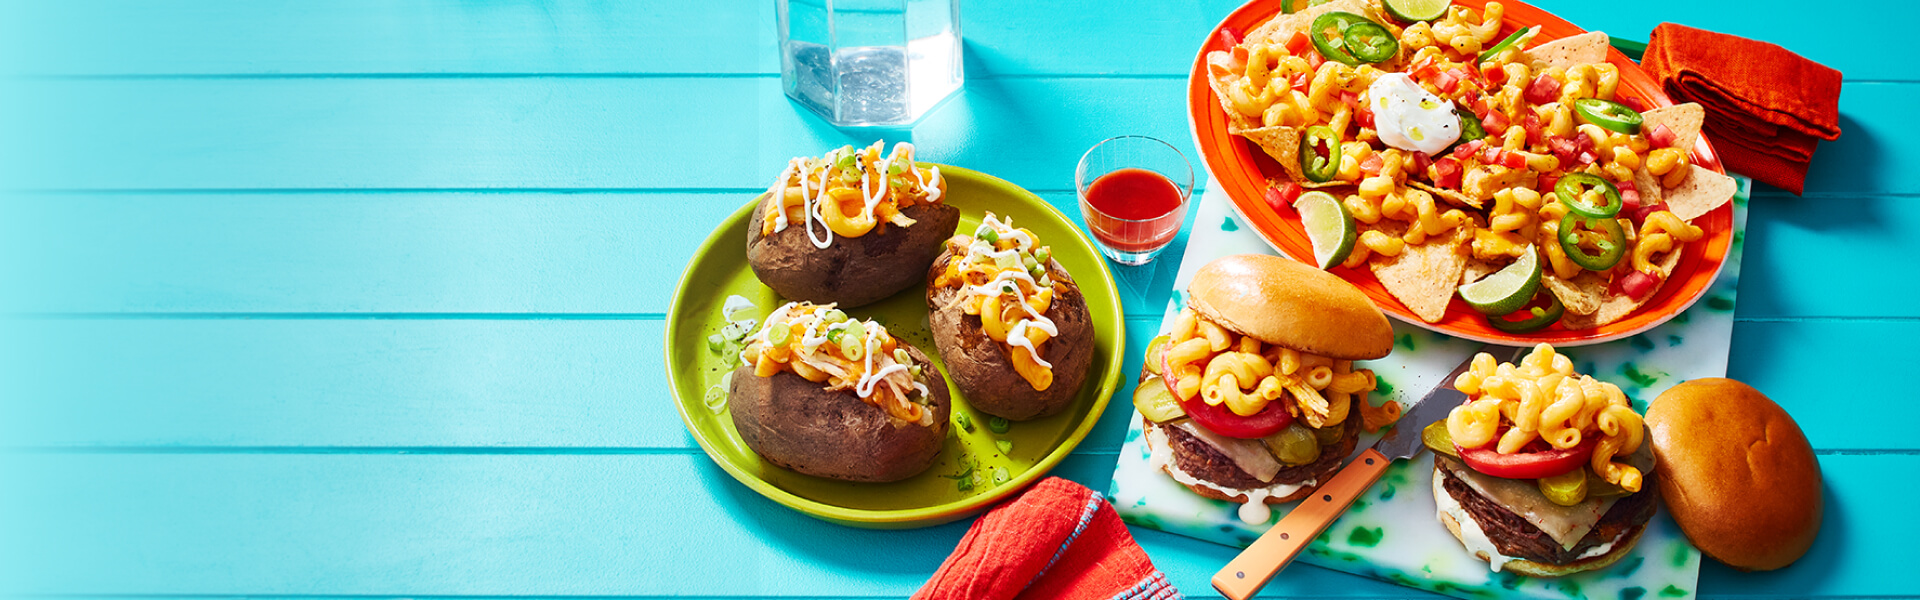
{"points": [[1536, 569], [1739, 476], [1281, 301]]}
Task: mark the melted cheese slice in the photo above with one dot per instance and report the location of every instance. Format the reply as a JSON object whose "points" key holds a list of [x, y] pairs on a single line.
{"points": [[1565, 524]]}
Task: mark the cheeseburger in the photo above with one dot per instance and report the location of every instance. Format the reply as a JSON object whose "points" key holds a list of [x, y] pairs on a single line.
{"points": [[1543, 472], [1251, 396]]}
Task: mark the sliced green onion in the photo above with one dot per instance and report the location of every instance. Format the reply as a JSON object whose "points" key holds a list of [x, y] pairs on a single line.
{"points": [[900, 356], [999, 425], [1043, 253], [1000, 475], [778, 336], [1028, 261], [834, 316], [988, 234], [716, 343], [1004, 446]]}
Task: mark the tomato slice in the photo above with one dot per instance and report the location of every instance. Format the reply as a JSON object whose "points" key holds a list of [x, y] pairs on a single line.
{"points": [[1528, 464], [1219, 419]]}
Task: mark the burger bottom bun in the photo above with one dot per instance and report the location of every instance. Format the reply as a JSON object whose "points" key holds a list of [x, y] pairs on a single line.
{"points": [[1303, 492], [1534, 569]]}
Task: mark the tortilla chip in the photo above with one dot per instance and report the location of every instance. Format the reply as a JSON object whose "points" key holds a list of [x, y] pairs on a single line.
{"points": [[1617, 307], [1282, 26], [1684, 120], [1424, 277], [1703, 191], [1234, 118], [1648, 186], [1581, 295], [1478, 268], [1584, 49], [1282, 143], [1454, 196]]}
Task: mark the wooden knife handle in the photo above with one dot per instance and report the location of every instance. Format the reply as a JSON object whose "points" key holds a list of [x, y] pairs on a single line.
{"points": [[1249, 572]]}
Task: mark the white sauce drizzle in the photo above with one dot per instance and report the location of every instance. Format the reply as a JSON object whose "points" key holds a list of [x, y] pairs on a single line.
{"points": [[1474, 538], [734, 304], [1253, 512], [812, 195]]}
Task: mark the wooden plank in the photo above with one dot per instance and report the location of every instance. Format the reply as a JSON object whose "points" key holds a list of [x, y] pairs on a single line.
{"points": [[545, 253], [508, 525], [124, 37], [572, 134], [574, 385], [621, 253]]}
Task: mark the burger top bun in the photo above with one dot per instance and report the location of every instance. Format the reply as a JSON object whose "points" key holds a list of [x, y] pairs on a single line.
{"points": [[1281, 301], [1737, 473]]}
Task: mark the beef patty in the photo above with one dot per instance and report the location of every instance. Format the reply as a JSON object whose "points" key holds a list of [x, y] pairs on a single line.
{"points": [[1515, 537], [1206, 463]]}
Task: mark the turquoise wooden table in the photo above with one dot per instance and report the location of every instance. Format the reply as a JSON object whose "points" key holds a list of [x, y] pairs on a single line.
{"points": [[365, 298]]}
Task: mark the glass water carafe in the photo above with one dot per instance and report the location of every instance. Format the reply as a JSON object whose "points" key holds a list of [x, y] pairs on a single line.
{"points": [[869, 62]]}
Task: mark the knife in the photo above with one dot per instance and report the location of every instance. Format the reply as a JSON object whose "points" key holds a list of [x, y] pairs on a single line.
{"points": [[1250, 571]]}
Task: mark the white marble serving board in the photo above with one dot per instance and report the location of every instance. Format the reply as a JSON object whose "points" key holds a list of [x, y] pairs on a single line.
{"points": [[1391, 532]]}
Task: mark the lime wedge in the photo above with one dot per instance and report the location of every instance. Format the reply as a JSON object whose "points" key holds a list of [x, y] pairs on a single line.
{"points": [[1506, 290], [1418, 10], [1329, 227]]}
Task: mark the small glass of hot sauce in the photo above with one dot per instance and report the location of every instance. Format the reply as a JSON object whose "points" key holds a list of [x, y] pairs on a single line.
{"points": [[1133, 195]]}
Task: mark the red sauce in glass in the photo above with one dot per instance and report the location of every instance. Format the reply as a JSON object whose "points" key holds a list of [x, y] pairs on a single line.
{"points": [[1148, 202]]}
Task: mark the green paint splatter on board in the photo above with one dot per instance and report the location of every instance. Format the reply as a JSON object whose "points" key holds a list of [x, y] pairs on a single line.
{"points": [[1387, 494], [1673, 592], [1570, 588], [1633, 593], [1682, 554], [1507, 579], [1405, 340], [1641, 343], [1381, 386], [1682, 318], [1229, 225], [1627, 567], [1673, 340], [1720, 303], [1739, 237], [1367, 537], [1326, 537], [1633, 373]]}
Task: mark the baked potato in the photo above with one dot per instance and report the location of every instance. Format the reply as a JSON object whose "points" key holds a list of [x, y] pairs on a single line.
{"points": [[826, 428], [832, 243], [990, 371]]}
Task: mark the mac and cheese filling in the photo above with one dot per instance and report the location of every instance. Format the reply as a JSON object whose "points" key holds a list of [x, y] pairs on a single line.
{"points": [[1004, 280], [850, 192], [1541, 404], [822, 345], [1201, 358]]}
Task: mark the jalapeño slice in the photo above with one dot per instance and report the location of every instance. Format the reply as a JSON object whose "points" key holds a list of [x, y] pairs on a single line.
{"points": [[1318, 167], [1328, 33], [1538, 318], [1572, 189], [1612, 246], [1370, 43], [1470, 127], [1609, 115]]}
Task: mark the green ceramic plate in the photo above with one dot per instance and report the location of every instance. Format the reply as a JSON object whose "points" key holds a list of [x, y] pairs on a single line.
{"points": [[720, 270]]}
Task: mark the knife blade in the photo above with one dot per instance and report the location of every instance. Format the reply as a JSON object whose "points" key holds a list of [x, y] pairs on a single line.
{"points": [[1250, 571]]}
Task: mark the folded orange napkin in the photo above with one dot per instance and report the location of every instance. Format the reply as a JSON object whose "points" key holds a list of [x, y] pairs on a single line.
{"points": [[1057, 540], [1767, 108]]}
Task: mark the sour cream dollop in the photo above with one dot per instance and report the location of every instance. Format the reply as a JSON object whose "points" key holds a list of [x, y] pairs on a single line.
{"points": [[1407, 117]]}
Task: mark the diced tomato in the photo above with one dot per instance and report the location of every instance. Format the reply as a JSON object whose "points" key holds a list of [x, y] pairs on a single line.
{"points": [[1661, 137], [1446, 81], [1298, 42], [1371, 166], [1446, 173], [1639, 215], [1546, 183], [1629, 198], [1544, 89], [1583, 143], [1492, 72], [1536, 134], [1631, 102], [1563, 148], [1585, 158], [1478, 106], [1470, 98], [1491, 155], [1352, 100], [1300, 81], [1625, 186], [1283, 195], [1532, 462], [1513, 160], [1638, 284], [1228, 37], [1467, 149], [1423, 72], [1314, 60], [1495, 123], [1421, 161], [1364, 117]]}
